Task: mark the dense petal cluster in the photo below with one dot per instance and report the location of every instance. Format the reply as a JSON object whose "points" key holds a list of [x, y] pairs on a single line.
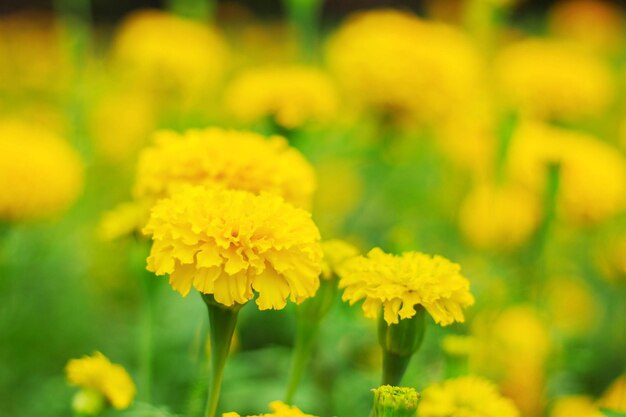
{"points": [[40, 174], [468, 396], [292, 96], [233, 243], [378, 62], [499, 216], [169, 53], [279, 409], [551, 79], [336, 252], [96, 372], [400, 283], [232, 159], [593, 173]]}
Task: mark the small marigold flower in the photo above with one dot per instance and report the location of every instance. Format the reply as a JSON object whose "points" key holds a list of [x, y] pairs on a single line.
{"points": [[468, 396], [336, 252], [592, 173], [232, 159], [377, 61], [170, 54], [292, 96], [97, 373], [551, 79], [232, 243], [499, 217], [575, 406], [390, 401], [279, 409], [40, 174], [400, 283]]}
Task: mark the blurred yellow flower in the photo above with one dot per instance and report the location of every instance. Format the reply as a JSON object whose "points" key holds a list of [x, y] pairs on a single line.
{"points": [[123, 220], [551, 79], [40, 174], [336, 252], [611, 258], [571, 305], [279, 409], [593, 173], [230, 243], [399, 283], [458, 345], [292, 95], [97, 373], [614, 398], [499, 216], [233, 159], [575, 406], [379, 63], [468, 396], [169, 54]]}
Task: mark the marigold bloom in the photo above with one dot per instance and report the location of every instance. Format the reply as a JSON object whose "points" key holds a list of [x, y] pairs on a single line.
{"points": [[468, 396], [40, 174], [231, 243], [399, 283], [279, 409], [336, 252], [593, 174], [292, 96], [96, 372], [614, 398], [123, 220], [377, 60], [551, 79], [232, 159], [575, 406], [499, 216], [169, 53]]}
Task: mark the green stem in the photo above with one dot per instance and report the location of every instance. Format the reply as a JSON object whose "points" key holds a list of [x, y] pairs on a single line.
{"points": [[394, 368], [306, 335], [507, 127], [304, 15], [223, 321]]}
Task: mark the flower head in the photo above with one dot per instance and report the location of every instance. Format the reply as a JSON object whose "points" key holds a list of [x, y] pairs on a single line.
{"points": [[499, 217], [390, 401], [399, 283], [550, 79], [40, 174], [378, 62], [292, 96], [575, 406], [279, 409], [232, 159], [468, 396], [233, 243], [169, 53], [592, 173], [97, 373], [336, 252]]}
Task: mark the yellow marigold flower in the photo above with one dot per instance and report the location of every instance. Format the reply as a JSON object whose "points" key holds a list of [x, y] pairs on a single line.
{"points": [[279, 409], [236, 160], [230, 243], [575, 406], [40, 174], [123, 220], [96, 372], [550, 79], [572, 306], [614, 398], [291, 95], [593, 173], [336, 252], [399, 283], [175, 55], [377, 60], [493, 216], [468, 396]]}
